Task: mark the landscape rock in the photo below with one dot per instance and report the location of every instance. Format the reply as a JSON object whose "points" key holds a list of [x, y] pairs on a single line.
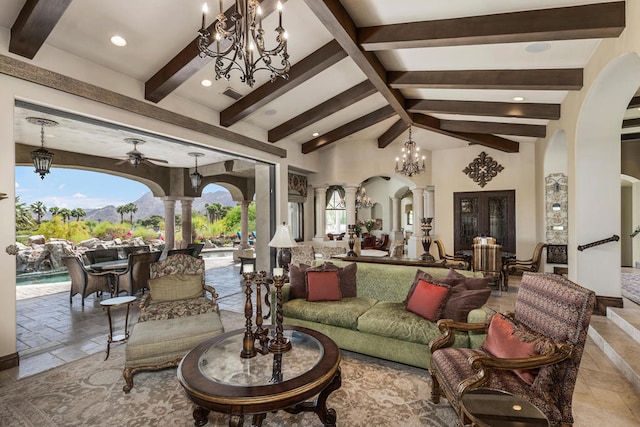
{"points": [[37, 239]]}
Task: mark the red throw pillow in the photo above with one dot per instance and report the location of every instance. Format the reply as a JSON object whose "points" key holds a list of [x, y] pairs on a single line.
{"points": [[506, 340], [323, 286], [346, 277], [421, 275], [428, 300]]}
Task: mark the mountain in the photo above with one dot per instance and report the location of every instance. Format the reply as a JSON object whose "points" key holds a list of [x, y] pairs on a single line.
{"points": [[149, 205]]}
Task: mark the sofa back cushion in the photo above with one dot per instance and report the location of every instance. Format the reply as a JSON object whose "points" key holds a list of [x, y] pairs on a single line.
{"points": [[174, 287]]}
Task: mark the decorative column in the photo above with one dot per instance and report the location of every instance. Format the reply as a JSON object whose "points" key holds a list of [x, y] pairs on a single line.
{"points": [[350, 202], [321, 205], [187, 225], [169, 222], [244, 224], [414, 246], [396, 233]]}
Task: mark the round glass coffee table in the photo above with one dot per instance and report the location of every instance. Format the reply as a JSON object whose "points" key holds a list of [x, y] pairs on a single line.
{"points": [[216, 378], [493, 408]]}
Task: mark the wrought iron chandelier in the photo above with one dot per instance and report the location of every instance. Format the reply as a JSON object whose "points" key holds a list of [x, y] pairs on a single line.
{"points": [[241, 46], [195, 177], [410, 158], [41, 157], [362, 200]]}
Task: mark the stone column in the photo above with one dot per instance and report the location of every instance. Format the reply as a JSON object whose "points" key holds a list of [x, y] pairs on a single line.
{"points": [[321, 205], [244, 224], [396, 233], [187, 225], [414, 246], [169, 222], [430, 206], [350, 202]]}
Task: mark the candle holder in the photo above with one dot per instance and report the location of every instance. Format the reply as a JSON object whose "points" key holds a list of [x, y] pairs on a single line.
{"points": [[261, 334], [248, 349], [280, 344], [351, 230], [426, 240]]}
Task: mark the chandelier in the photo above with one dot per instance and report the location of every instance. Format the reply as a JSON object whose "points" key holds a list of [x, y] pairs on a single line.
{"points": [[195, 177], [41, 157], [241, 47], [362, 200], [410, 158]]}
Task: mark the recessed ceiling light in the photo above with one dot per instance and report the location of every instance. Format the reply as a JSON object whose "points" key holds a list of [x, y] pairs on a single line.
{"points": [[206, 83], [118, 41], [270, 112], [315, 134], [538, 47], [518, 98]]}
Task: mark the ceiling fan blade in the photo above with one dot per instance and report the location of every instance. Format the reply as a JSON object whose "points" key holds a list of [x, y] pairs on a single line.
{"points": [[156, 160], [122, 161]]}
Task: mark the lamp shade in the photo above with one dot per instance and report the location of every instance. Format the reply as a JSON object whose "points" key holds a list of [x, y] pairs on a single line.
{"points": [[282, 238]]}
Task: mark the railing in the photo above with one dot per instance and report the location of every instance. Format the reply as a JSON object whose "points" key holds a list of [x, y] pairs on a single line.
{"points": [[613, 238]]}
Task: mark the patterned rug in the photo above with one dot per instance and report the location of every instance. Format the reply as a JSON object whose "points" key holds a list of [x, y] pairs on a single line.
{"points": [[89, 392], [631, 287]]}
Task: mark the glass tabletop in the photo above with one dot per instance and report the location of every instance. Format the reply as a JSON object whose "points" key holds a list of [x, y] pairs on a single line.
{"points": [[496, 408], [222, 363]]}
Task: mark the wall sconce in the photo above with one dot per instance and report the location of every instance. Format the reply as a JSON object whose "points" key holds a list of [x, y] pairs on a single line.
{"points": [[41, 157], [195, 177], [3, 196], [555, 206]]}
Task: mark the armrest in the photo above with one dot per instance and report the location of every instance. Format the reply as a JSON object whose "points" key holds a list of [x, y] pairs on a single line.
{"points": [[448, 327], [483, 364], [144, 301], [212, 291]]}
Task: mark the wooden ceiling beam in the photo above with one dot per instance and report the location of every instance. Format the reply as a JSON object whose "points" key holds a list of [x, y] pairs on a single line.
{"points": [[625, 137], [591, 21], [554, 79], [348, 129], [481, 108], [188, 61], [301, 71], [319, 112], [392, 133], [435, 125], [635, 102], [336, 19], [631, 123], [33, 25], [519, 129]]}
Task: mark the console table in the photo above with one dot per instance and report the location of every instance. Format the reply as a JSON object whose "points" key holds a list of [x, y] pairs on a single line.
{"points": [[414, 262]]}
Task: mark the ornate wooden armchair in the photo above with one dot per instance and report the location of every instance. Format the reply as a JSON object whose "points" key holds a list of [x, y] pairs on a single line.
{"points": [[451, 261], [552, 315], [512, 266]]}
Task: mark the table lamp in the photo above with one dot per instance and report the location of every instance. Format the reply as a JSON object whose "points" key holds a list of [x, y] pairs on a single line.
{"points": [[283, 241]]}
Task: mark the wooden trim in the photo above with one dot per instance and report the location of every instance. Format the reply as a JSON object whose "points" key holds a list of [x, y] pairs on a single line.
{"points": [[482, 108], [9, 361], [33, 25], [536, 131], [631, 123], [564, 23], [549, 79], [603, 302], [635, 102], [392, 133], [31, 73], [313, 64]]}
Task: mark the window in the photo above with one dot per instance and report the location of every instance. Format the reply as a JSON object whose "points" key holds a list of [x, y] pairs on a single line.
{"points": [[296, 221], [335, 213]]}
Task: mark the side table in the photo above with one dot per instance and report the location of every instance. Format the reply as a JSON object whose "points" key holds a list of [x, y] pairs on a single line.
{"points": [[116, 302], [493, 408]]}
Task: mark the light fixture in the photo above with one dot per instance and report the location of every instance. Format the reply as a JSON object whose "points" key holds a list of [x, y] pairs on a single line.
{"points": [[118, 41], [283, 241], [42, 158], [195, 177], [362, 200], [206, 83], [410, 158], [241, 46], [518, 98]]}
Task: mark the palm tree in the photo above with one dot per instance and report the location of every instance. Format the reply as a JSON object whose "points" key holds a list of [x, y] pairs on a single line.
{"points": [[65, 214], [122, 209], [39, 209], [23, 217], [54, 211], [132, 208], [214, 211], [78, 213]]}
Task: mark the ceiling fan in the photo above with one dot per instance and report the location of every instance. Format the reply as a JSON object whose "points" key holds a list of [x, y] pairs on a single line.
{"points": [[135, 157]]}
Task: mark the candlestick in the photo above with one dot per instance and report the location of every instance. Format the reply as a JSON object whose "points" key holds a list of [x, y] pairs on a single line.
{"points": [[280, 344], [279, 14], [278, 272], [248, 349], [205, 8]]}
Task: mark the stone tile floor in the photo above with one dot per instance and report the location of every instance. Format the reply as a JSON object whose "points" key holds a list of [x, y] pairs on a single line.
{"points": [[52, 332]]}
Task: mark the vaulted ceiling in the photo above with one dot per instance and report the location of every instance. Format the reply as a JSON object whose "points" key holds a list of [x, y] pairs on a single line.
{"points": [[454, 70]]}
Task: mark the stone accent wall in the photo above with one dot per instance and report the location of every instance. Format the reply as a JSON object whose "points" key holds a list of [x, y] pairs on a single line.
{"points": [[556, 209]]}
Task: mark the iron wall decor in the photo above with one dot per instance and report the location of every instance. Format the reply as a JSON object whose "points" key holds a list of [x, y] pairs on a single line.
{"points": [[483, 169]]}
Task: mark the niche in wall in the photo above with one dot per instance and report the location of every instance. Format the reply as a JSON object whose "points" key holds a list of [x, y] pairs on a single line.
{"points": [[556, 212]]}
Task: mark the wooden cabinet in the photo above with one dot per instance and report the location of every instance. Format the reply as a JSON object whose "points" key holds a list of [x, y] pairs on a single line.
{"points": [[485, 213]]}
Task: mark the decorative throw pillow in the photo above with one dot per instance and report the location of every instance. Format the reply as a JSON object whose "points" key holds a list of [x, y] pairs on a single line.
{"points": [[346, 277], [174, 287], [470, 282], [323, 286], [462, 300], [421, 275], [427, 300], [507, 340], [298, 286]]}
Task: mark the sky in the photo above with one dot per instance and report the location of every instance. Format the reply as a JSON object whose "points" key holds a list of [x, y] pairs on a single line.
{"points": [[70, 188]]}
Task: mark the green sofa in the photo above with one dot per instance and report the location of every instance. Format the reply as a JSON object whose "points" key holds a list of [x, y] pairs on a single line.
{"points": [[376, 322]]}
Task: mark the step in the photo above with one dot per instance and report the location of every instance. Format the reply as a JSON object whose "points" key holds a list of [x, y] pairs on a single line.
{"points": [[619, 346], [627, 319]]}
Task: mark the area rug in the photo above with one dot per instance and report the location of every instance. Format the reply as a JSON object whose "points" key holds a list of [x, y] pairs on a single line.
{"points": [[89, 392], [631, 287]]}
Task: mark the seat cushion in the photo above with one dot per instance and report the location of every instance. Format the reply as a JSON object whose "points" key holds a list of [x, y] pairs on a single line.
{"points": [[343, 313], [175, 309], [393, 320]]}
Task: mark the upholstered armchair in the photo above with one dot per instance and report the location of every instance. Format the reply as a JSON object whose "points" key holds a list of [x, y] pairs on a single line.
{"points": [[177, 289], [511, 266], [487, 259], [302, 254], [326, 252], [533, 353], [136, 276], [451, 261], [83, 281]]}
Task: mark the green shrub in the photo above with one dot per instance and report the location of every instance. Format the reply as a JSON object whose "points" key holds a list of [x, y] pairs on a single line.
{"points": [[145, 233], [109, 231]]}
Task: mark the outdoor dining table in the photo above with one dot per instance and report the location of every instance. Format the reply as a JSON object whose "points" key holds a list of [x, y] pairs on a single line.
{"points": [[114, 267]]}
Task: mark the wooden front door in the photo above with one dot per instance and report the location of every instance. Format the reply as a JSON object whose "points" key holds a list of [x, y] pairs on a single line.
{"points": [[485, 213]]}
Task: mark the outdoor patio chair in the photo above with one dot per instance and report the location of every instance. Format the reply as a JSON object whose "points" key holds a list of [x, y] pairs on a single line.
{"points": [[136, 249], [136, 276], [101, 255], [83, 281], [533, 353], [195, 248]]}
